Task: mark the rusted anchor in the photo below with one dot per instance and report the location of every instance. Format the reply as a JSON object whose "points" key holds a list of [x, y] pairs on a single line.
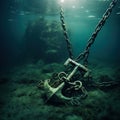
{"points": [[50, 91]]}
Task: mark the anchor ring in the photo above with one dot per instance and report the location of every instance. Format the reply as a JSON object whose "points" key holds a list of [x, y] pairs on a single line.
{"points": [[62, 75], [78, 85]]}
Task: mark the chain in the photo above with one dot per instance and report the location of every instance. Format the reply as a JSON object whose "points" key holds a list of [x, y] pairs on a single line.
{"points": [[69, 45], [91, 40], [84, 55]]}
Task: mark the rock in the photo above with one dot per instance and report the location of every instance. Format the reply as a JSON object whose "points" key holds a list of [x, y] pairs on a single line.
{"points": [[44, 40]]}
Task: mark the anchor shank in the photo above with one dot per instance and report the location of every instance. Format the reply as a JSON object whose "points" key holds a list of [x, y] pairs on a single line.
{"points": [[72, 73]]}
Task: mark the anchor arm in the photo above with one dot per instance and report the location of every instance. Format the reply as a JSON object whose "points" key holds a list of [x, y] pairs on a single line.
{"points": [[50, 91]]}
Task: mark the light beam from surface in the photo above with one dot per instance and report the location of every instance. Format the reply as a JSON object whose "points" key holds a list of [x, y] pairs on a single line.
{"points": [[71, 3], [62, 1]]}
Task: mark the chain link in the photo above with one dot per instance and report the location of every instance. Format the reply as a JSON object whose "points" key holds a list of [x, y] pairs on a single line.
{"points": [[69, 45], [99, 26]]}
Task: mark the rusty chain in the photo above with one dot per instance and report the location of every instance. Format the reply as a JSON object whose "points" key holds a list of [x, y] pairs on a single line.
{"points": [[69, 45], [99, 26], [84, 55]]}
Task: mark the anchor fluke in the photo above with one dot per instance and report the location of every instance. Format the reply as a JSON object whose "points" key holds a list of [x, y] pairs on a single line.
{"points": [[50, 91]]}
